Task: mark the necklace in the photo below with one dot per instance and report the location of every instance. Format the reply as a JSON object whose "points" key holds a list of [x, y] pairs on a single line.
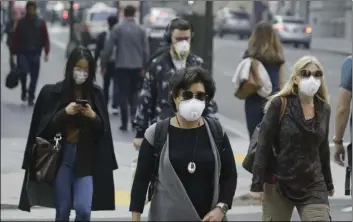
{"points": [[192, 166]]}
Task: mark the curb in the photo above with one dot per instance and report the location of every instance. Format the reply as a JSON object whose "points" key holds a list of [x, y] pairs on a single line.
{"points": [[331, 51]]}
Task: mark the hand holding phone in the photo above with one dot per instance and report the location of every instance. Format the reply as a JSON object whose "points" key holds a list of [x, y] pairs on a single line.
{"points": [[81, 102], [72, 108]]}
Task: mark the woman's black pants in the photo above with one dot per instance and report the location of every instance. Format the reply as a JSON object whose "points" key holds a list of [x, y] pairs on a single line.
{"points": [[254, 112]]}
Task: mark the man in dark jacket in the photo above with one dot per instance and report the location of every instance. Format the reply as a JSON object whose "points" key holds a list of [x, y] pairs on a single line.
{"points": [[9, 31], [154, 97], [30, 37], [109, 72], [131, 54]]}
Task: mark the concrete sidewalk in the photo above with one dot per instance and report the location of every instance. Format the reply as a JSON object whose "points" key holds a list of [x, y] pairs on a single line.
{"points": [[334, 45], [12, 181]]}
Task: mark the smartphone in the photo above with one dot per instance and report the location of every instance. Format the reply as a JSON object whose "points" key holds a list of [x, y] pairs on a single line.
{"points": [[82, 102]]}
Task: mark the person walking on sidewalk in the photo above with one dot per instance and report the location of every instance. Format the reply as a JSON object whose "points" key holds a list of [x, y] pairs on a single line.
{"points": [[154, 96], [292, 161], [343, 110], [130, 43], [10, 30], [75, 108], [196, 176], [265, 46], [108, 73], [30, 37]]}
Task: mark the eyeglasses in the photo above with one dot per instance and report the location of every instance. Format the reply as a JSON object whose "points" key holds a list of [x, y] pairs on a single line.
{"points": [[187, 95], [179, 39], [308, 73]]}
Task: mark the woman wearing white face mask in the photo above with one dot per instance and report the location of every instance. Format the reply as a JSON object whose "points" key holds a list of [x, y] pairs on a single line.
{"points": [[74, 108], [297, 172], [196, 172]]}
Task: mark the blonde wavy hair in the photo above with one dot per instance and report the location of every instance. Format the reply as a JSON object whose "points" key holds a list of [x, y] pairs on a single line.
{"points": [[264, 44], [291, 88]]}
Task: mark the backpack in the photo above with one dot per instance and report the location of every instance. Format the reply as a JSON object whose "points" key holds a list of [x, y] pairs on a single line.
{"points": [[160, 137], [249, 160]]}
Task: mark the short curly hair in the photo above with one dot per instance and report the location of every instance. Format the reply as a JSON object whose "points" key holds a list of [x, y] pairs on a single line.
{"points": [[183, 79]]}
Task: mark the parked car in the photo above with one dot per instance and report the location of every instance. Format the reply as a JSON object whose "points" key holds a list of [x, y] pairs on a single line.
{"points": [[293, 30], [158, 18], [229, 21], [93, 22]]}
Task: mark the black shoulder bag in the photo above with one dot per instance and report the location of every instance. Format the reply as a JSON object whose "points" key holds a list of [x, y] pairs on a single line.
{"points": [[249, 160]]}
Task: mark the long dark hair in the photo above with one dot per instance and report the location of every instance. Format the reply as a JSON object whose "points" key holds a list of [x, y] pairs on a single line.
{"points": [[265, 45], [69, 84]]}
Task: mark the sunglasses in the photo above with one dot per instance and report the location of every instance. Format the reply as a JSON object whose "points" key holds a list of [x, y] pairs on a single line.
{"points": [[308, 73], [179, 39], [187, 95]]}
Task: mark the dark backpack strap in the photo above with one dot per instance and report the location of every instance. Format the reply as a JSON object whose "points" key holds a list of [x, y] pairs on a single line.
{"points": [[160, 136], [217, 131]]}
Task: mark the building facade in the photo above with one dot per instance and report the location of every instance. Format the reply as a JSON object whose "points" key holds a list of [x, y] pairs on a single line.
{"points": [[331, 19]]}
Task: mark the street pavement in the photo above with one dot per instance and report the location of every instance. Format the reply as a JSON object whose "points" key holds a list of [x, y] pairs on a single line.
{"points": [[15, 120]]}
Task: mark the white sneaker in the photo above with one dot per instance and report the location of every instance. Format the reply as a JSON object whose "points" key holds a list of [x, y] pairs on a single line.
{"points": [[115, 112]]}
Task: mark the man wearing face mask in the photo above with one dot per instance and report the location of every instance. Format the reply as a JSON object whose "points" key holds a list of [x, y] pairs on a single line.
{"points": [[154, 97], [30, 37]]}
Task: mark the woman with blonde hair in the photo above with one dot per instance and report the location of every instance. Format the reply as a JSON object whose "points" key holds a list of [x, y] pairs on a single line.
{"points": [[264, 46], [292, 161]]}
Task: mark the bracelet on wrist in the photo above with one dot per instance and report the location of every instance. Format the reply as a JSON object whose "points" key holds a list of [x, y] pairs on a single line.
{"points": [[337, 141]]}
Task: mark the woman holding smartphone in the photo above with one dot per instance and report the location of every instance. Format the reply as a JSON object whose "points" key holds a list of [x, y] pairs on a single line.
{"points": [[75, 108]]}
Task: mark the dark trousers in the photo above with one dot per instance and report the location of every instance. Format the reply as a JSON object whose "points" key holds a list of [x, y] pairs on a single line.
{"points": [[11, 61], [68, 187], [29, 64], [254, 112], [129, 82], [110, 75]]}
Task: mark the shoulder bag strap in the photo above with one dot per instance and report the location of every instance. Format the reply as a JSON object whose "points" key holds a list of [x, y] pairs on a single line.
{"points": [[283, 107]]}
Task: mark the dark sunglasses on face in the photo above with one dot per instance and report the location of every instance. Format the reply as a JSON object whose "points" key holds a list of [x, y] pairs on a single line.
{"points": [[179, 39], [187, 95], [308, 73]]}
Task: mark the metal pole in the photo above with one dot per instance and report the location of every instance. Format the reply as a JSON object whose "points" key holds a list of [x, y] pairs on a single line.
{"points": [[117, 5], [307, 11], [9, 13], [71, 21], [141, 10], [209, 36]]}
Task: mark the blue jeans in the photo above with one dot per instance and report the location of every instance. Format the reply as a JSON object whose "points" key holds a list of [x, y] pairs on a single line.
{"points": [[68, 187], [29, 64]]}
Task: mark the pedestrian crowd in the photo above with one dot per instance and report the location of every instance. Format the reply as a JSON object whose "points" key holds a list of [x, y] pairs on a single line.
{"points": [[185, 166]]}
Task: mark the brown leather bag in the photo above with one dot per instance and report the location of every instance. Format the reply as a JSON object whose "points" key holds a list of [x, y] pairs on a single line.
{"points": [[252, 84], [46, 159]]}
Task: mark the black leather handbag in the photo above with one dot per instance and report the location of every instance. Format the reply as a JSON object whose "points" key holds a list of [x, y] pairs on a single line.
{"points": [[46, 159], [12, 78]]}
